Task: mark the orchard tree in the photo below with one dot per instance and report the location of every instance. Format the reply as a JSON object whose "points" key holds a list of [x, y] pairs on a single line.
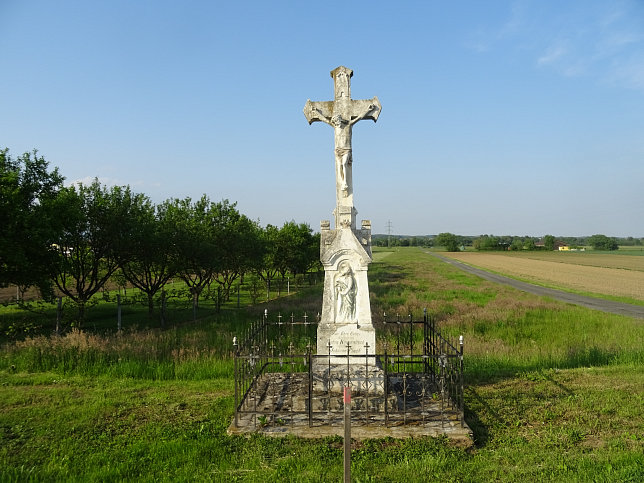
{"points": [[269, 267], [98, 228], [195, 246], [297, 249], [28, 220], [151, 264], [239, 243]]}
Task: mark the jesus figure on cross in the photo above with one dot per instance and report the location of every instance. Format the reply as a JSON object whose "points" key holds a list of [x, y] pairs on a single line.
{"points": [[343, 130], [341, 114]]}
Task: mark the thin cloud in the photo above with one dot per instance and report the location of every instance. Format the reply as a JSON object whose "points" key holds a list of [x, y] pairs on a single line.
{"points": [[604, 43], [628, 72], [553, 54], [139, 185], [88, 180]]}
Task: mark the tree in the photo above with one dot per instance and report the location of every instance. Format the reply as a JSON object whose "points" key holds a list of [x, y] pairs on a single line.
{"points": [[447, 240], [549, 242], [297, 250], [240, 245], [487, 242], [529, 244], [151, 264], [602, 242], [269, 267], [516, 245], [195, 249], [28, 221], [98, 225]]}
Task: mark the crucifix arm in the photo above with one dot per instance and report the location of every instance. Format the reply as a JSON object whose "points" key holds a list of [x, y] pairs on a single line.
{"points": [[361, 116], [369, 109], [318, 111]]}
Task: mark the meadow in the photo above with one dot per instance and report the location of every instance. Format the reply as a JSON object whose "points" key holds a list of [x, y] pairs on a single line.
{"points": [[554, 393], [615, 275]]}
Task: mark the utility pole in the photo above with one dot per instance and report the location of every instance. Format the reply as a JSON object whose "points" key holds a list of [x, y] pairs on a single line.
{"points": [[389, 226]]}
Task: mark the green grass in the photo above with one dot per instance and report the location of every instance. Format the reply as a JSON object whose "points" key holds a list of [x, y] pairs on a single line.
{"points": [[554, 393], [38, 317]]}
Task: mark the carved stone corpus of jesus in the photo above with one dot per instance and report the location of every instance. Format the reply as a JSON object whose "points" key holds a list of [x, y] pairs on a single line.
{"points": [[342, 114]]}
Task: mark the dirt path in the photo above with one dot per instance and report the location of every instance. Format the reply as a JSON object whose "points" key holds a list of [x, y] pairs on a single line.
{"points": [[571, 298]]}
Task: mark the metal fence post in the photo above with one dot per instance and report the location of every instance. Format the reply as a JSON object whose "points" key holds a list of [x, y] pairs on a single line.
{"points": [[310, 362], [118, 312], [386, 364], [462, 384], [236, 353], [59, 314], [347, 434]]}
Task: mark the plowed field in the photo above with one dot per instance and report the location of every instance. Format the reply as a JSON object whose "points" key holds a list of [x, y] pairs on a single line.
{"points": [[616, 275]]}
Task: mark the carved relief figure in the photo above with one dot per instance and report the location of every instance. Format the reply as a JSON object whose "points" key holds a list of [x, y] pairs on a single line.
{"points": [[345, 293]]}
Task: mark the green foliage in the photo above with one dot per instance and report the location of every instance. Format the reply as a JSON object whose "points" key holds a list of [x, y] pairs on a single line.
{"points": [[602, 242], [151, 263], [488, 242], [401, 240], [549, 242], [447, 240], [296, 249], [28, 220], [98, 232]]}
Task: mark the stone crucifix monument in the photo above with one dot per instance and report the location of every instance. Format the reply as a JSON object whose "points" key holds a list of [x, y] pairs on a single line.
{"points": [[345, 327]]}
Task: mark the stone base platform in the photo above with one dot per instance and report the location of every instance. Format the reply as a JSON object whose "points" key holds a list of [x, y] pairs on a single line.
{"points": [[279, 406], [363, 378]]}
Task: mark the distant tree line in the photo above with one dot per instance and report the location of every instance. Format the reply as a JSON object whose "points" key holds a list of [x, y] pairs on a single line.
{"points": [[452, 242], [549, 242], [402, 241], [73, 240]]}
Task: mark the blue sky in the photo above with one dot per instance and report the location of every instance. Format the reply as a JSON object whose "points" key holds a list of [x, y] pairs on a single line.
{"points": [[503, 117]]}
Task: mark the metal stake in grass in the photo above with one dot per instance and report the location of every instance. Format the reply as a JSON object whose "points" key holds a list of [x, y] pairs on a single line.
{"points": [[347, 434]]}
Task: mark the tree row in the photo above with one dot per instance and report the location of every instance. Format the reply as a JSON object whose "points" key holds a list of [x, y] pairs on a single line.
{"points": [[71, 240]]}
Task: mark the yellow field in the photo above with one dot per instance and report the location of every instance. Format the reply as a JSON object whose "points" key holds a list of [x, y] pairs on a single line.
{"points": [[616, 275]]}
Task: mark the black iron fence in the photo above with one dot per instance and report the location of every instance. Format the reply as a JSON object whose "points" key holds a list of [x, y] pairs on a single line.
{"points": [[414, 375]]}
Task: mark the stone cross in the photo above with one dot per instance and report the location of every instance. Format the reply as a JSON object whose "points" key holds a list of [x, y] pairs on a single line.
{"points": [[345, 327], [341, 114]]}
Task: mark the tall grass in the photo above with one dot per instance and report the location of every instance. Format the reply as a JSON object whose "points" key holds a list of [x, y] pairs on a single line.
{"points": [[179, 353], [553, 393], [506, 331], [189, 351]]}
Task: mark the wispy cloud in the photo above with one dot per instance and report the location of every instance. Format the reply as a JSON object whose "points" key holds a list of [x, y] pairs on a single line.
{"points": [[485, 39], [597, 40], [553, 53], [109, 182], [87, 180], [628, 72]]}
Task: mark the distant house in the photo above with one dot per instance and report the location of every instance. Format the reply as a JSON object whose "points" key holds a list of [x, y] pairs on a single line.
{"points": [[561, 246], [558, 245]]}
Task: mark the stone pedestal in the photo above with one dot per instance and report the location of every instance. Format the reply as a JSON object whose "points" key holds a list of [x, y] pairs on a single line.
{"points": [[345, 326]]}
